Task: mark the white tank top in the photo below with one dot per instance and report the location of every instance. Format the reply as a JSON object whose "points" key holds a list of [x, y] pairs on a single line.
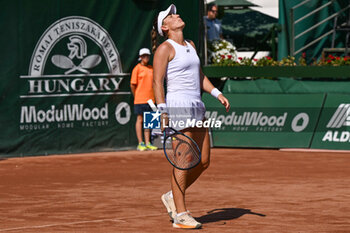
{"points": [[183, 72]]}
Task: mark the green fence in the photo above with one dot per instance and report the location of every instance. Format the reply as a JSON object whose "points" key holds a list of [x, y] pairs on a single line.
{"points": [[318, 121], [265, 120], [314, 100], [278, 71]]}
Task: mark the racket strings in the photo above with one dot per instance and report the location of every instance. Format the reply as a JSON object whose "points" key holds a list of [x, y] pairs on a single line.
{"points": [[183, 153]]}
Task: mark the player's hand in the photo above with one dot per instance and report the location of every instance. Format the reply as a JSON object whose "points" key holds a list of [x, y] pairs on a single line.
{"points": [[224, 102], [164, 121]]}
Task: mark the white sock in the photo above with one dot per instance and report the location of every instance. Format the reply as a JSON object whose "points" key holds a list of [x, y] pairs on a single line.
{"points": [[171, 194]]}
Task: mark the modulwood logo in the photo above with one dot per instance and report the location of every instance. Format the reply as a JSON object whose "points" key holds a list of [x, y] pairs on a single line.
{"points": [[69, 112], [248, 119]]}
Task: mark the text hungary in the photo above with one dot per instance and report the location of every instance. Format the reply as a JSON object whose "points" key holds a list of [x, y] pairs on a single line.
{"points": [[74, 85]]}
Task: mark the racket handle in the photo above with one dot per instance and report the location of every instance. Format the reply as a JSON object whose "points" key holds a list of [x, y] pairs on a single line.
{"points": [[154, 108], [152, 105]]}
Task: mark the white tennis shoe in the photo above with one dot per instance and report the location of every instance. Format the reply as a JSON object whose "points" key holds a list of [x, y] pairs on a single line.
{"points": [[169, 204], [186, 221]]}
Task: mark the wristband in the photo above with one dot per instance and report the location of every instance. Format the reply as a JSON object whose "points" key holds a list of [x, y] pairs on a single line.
{"points": [[162, 108], [215, 92]]}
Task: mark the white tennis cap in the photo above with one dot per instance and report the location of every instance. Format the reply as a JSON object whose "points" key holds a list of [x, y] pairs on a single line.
{"points": [[162, 15], [144, 51]]}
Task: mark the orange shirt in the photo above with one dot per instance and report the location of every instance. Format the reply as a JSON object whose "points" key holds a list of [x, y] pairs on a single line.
{"points": [[142, 77]]}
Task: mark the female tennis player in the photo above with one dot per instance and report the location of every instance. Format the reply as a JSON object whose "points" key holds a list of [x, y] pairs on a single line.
{"points": [[177, 60]]}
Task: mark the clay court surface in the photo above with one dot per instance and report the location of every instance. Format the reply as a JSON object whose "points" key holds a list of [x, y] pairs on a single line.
{"points": [[243, 190]]}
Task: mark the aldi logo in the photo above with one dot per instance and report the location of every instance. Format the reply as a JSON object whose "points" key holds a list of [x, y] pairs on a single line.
{"points": [[341, 117], [337, 127], [333, 126]]}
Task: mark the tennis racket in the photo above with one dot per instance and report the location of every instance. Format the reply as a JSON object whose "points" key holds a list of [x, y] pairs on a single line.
{"points": [[184, 153]]}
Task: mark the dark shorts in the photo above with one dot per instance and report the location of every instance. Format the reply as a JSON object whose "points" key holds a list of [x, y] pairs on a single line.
{"points": [[139, 109]]}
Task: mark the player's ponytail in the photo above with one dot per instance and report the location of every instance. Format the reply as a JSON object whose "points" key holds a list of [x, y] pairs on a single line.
{"points": [[154, 36]]}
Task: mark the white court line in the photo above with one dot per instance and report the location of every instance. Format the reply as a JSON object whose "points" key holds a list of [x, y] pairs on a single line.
{"points": [[314, 150], [61, 224], [92, 221], [79, 222]]}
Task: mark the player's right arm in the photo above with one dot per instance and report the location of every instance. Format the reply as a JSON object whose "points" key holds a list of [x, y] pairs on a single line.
{"points": [[160, 63]]}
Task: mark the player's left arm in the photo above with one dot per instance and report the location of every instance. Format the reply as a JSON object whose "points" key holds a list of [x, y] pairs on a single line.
{"points": [[208, 87]]}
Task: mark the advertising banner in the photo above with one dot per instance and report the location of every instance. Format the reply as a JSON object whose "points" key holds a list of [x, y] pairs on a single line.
{"points": [[65, 72], [265, 120], [75, 96], [333, 131]]}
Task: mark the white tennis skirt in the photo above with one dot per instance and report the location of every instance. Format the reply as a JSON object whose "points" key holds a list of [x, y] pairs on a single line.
{"points": [[184, 111]]}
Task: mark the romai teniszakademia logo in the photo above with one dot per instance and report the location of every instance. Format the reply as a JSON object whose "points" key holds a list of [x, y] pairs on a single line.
{"points": [[75, 56]]}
